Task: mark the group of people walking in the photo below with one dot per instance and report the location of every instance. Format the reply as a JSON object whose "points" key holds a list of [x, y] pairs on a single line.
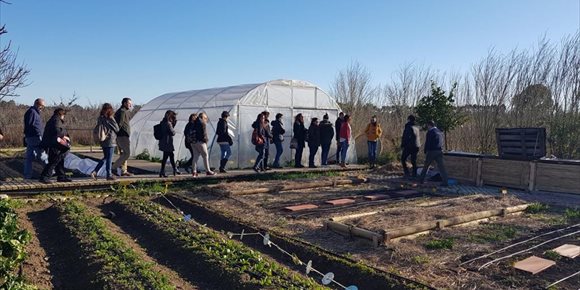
{"points": [[113, 130], [49, 143], [317, 135]]}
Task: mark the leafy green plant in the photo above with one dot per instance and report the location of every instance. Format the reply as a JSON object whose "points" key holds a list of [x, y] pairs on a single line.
{"points": [[121, 267], [143, 155], [438, 244], [537, 207], [13, 243], [552, 255], [572, 214], [234, 258]]}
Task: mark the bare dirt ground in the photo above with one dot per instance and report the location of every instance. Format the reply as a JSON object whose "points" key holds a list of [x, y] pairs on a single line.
{"points": [[412, 257]]}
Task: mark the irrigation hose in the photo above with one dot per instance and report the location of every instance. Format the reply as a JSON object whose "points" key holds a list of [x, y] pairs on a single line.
{"points": [[526, 250], [518, 243], [562, 280]]}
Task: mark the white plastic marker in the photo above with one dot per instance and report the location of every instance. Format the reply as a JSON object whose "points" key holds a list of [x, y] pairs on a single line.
{"points": [[326, 278]]}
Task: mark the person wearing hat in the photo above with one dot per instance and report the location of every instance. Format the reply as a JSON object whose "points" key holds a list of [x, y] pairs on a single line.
{"points": [[224, 140], [56, 142], [278, 137], [326, 134]]}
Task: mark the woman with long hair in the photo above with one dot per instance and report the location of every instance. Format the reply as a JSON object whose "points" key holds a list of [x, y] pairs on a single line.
{"points": [[189, 136], [166, 142], [345, 131], [106, 122], [260, 131], [199, 145], [300, 134]]}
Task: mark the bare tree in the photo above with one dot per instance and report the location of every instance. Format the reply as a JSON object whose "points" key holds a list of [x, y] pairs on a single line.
{"points": [[12, 74], [353, 90]]}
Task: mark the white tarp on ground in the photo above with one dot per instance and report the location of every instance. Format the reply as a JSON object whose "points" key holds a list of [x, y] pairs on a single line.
{"points": [[84, 165], [244, 103]]}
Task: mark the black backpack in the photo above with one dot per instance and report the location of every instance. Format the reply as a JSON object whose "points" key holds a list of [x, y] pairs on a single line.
{"points": [[157, 132]]}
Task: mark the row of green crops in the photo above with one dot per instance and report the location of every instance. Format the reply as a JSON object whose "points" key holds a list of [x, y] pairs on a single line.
{"points": [[13, 243], [233, 258], [120, 266]]}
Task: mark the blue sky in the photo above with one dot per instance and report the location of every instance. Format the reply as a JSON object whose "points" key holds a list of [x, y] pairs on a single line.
{"points": [[105, 50]]}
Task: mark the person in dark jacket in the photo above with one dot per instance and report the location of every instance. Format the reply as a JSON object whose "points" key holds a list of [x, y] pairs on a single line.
{"points": [[326, 134], [224, 140], [33, 131], [122, 117], [189, 137], [410, 143], [107, 121], [260, 128], [278, 137], [337, 127], [267, 139], [300, 133], [56, 142], [166, 142], [313, 141], [199, 145], [434, 152]]}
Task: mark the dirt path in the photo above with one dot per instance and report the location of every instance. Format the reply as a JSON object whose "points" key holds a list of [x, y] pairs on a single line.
{"points": [[54, 258], [98, 208]]}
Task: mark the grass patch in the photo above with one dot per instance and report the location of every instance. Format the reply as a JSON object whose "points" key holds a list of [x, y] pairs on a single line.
{"points": [[536, 207], [494, 233], [552, 255], [421, 259], [572, 214], [440, 244]]}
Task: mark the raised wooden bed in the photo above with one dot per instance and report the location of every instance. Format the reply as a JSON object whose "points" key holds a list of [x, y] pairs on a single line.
{"points": [[464, 169]]}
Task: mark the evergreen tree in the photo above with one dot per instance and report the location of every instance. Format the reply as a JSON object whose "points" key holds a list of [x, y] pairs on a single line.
{"points": [[440, 108]]}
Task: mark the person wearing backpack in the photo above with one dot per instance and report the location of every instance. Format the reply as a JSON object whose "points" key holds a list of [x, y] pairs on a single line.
{"points": [[300, 133], [224, 140], [278, 137], [189, 138], [326, 134], [313, 141], [106, 131], [167, 132], [199, 145], [258, 136]]}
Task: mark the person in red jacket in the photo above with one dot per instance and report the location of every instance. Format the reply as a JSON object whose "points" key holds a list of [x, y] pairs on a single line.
{"points": [[344, 139]]}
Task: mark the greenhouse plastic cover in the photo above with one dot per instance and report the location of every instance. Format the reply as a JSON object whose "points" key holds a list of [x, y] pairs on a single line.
{"points": [[244, 103]]}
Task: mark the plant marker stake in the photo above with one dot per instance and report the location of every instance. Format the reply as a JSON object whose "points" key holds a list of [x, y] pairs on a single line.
{"points": [[242, 234], [328, 278], [308, 267]]}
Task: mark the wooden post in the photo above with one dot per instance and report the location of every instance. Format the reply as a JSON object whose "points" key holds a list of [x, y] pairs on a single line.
{"points": [[352, 231], [532, 179], [478, 179]]}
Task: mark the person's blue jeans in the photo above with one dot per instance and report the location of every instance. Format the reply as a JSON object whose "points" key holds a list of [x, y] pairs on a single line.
{"points": [[260, 159], [33, 152], [324, 154], [343, 149], [298, 155], [372, 146], [279, 150], [226, 151], [107, 160]]}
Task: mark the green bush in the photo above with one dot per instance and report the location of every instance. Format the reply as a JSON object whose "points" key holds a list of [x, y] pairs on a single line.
{"points": [[572, 214]]}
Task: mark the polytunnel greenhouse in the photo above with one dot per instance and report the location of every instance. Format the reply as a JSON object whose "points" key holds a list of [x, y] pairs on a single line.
{"points": [[244, 103]]}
